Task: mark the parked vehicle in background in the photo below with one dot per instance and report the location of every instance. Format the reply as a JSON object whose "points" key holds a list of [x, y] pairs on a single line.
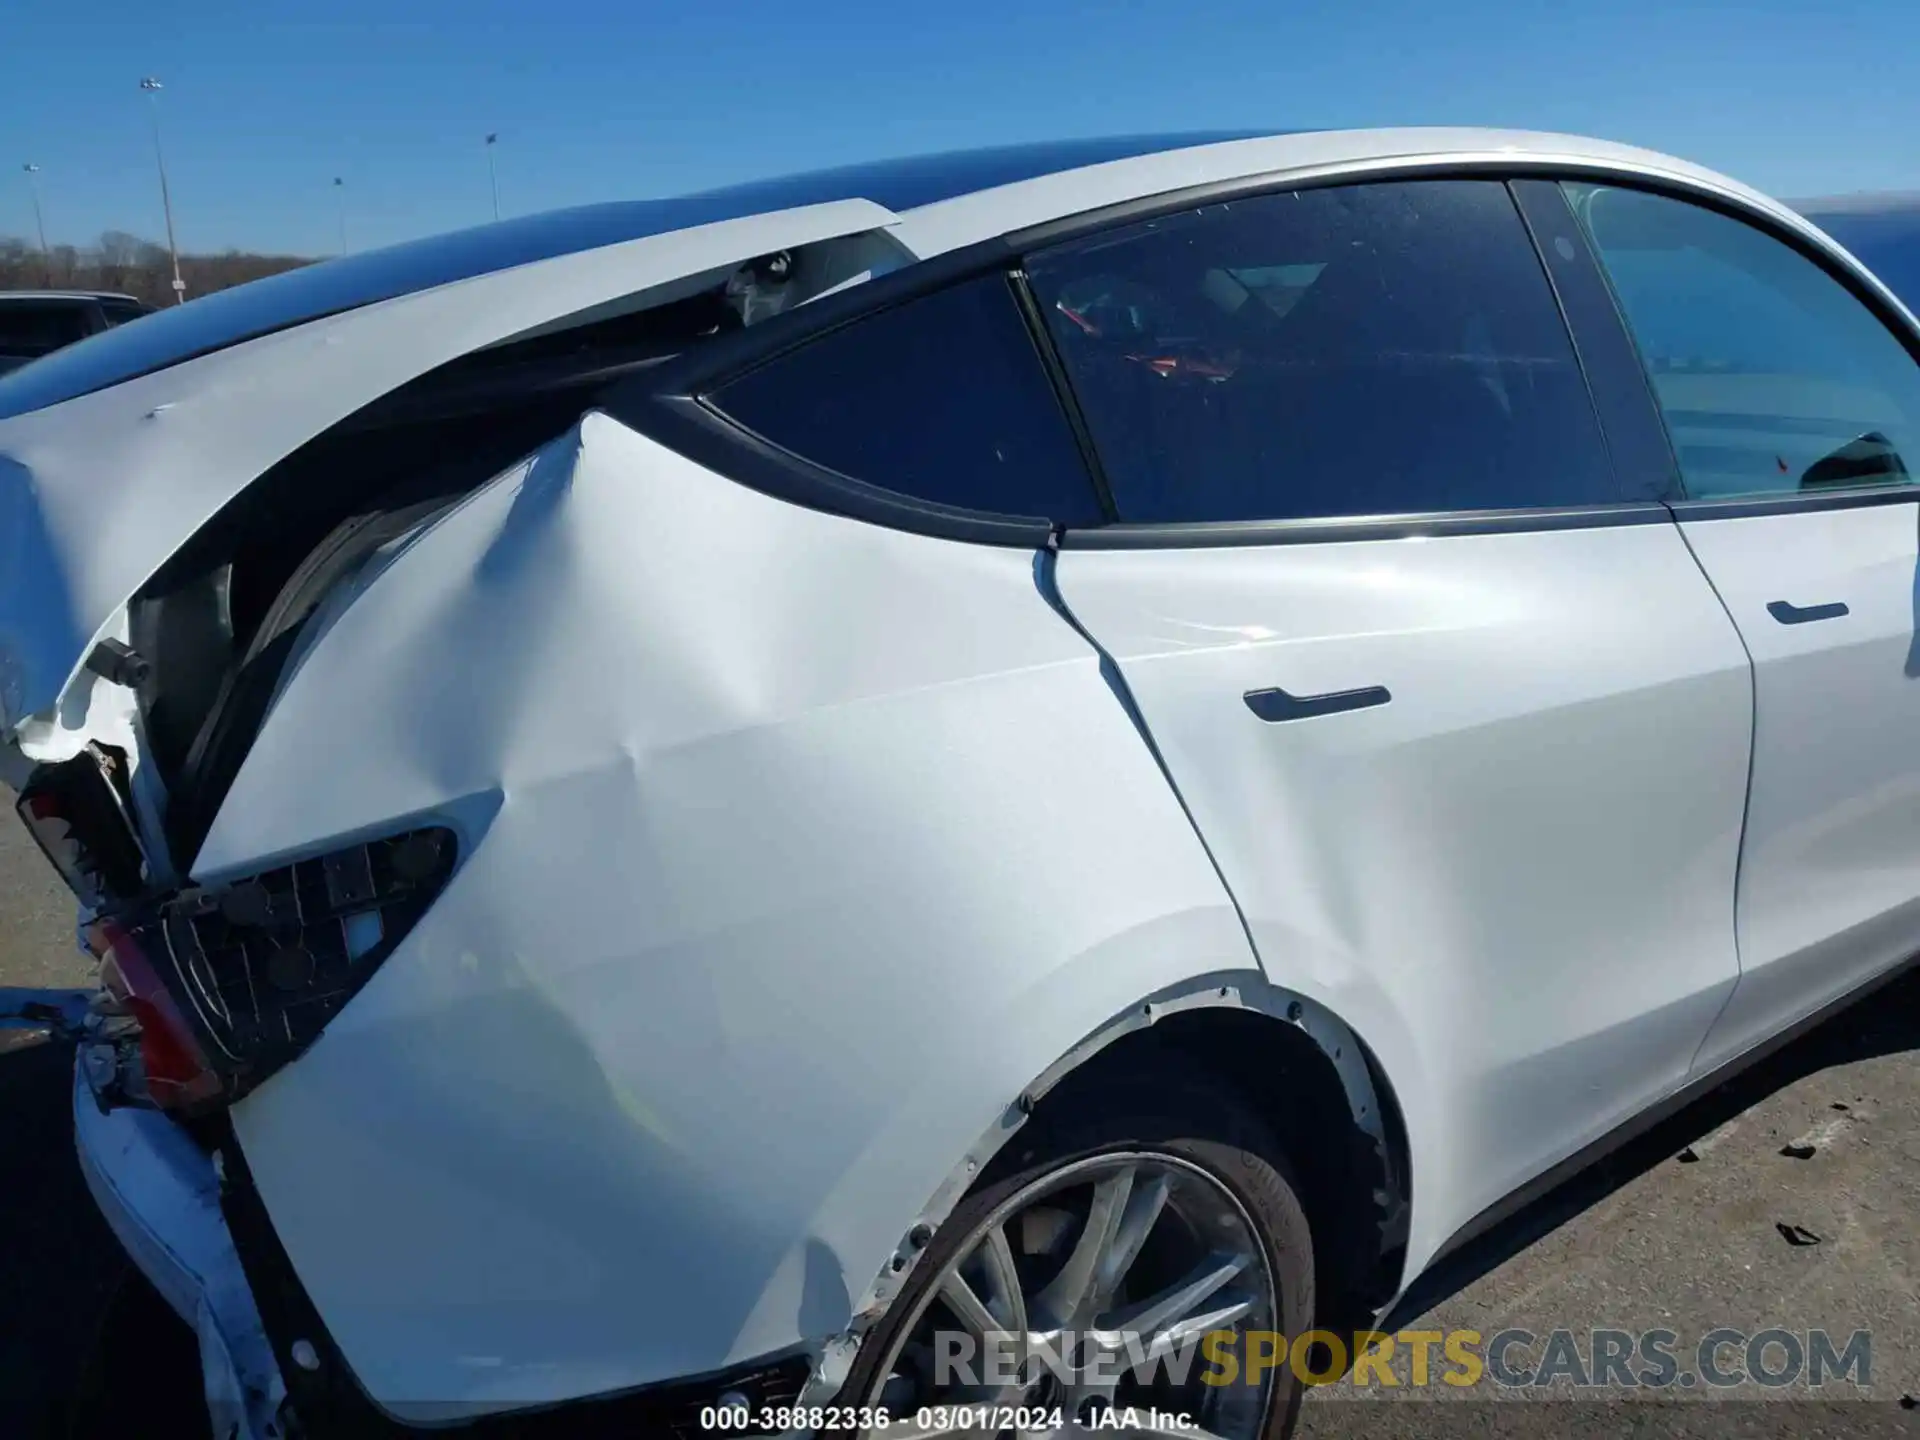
{"points": [[38, 322], [1881, 231], [1063, 748]]}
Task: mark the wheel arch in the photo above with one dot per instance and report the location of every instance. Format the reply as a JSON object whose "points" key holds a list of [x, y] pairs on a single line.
{"points": [[1293, 1059]]}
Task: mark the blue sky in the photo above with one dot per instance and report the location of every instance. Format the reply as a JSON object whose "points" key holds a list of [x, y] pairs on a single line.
{"points": [[599, 99]]}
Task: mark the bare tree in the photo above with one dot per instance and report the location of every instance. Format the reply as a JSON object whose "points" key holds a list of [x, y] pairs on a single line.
{"points": [[115, 259], [132, 265]]}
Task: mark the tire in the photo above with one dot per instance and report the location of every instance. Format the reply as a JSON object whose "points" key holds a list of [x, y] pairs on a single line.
{"points": [[142, 1373], [1184, 1129]]}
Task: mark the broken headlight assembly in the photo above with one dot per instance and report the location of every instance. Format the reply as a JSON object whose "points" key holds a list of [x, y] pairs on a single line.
{"points": [[207, 992]]}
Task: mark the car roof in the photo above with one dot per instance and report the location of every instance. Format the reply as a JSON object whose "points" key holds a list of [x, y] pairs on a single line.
{"points": [[1296, 155], [309, 292], [939, 202], [909, 182]]}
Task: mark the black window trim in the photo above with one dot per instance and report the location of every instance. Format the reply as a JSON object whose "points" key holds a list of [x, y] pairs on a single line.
{"points": [[1065, 396], [1602, 343], [688, 425], [1335, 529], [667, 401], [1795, 502]]}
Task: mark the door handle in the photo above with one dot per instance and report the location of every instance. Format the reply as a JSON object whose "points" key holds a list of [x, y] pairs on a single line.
{"points": [[1276, 705], [1796, 615]]}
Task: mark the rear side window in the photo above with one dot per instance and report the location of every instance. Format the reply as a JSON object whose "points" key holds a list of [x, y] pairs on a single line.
{"points": [[943, 398], [1772, 376], [1354, 350], [38, 328]]}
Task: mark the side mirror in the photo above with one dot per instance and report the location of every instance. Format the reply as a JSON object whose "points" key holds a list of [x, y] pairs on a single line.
{"points": [[1868, 460]]}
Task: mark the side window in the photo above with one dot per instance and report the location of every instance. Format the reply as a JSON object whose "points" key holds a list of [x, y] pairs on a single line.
{"points": [[943, 398], [1356, 350], [33, 329], [1772, 376]]}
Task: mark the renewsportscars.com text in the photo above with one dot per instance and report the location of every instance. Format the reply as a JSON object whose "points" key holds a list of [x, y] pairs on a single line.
{"points": [[1596, 1359]]}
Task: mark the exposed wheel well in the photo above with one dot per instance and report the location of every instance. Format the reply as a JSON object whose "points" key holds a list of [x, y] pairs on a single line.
{"points": [[1355, 1190]]}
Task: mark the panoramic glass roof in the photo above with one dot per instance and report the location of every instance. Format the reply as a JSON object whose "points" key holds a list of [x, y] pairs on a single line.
{"points": [[226, 317]]}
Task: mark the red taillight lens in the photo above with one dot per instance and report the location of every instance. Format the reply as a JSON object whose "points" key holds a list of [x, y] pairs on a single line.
{"points": [[175, 1072], [227, 984]]}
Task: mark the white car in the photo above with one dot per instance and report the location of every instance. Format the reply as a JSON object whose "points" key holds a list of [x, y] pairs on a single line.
{"points": [[1882, 230], [931, 784]]}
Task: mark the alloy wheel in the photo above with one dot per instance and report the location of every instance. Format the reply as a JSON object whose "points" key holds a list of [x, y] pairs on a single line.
{"points": [[1089, 1290]]}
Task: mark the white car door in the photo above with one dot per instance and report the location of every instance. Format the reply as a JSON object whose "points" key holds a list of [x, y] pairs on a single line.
{"points": [[1474, 773], [1795, 416]]}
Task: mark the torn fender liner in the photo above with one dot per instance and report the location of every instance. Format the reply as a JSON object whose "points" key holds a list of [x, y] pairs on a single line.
{"points": [[98, 491]]}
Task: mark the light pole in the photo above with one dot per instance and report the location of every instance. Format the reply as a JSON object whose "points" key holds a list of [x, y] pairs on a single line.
{"points": [[493, 176], [152, 87], [40, 223], [340, 194]]}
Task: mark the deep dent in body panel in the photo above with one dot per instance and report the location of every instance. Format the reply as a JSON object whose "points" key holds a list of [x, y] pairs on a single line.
{"points": [[724, 764]]}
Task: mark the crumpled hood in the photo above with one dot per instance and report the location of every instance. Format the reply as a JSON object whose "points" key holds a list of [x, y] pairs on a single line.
{"points": [[98, 491]]}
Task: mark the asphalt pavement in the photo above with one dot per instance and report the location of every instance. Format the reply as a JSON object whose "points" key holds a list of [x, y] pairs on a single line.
{"points": [[1787, 1200]]}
